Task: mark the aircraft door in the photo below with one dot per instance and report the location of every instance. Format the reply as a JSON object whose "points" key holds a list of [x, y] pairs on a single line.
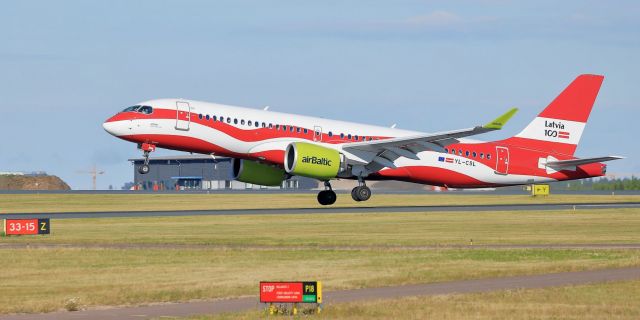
{"points": [[317, 133], [502, 160], [183, 115]]}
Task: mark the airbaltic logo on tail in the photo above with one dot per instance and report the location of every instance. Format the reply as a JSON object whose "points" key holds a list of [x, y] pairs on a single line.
{"points": [[554, 130], [316, 160]]}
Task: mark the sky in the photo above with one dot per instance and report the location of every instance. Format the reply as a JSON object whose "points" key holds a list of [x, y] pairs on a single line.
{"points": [[66, 66]]}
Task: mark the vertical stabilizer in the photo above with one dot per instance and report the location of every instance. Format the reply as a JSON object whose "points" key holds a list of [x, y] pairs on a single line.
{"points": [[558, 128]]}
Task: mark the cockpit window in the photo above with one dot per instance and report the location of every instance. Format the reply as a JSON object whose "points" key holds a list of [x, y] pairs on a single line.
{"points": [[140, 109], [146, 110], [131, 109]]}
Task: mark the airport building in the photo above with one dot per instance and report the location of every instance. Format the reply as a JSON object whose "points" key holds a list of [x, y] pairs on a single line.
{"points": [[200, 172]]}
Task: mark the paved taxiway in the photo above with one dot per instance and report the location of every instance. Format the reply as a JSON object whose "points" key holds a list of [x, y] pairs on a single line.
{"points": [[321, 210], [331, 297]]}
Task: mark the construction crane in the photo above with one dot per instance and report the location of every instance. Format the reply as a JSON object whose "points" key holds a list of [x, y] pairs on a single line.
{"points": [[94, 174]]}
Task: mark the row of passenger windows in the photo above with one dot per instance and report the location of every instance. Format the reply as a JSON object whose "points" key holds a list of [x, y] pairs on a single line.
{"points": [[467, 153], [258, 124]]}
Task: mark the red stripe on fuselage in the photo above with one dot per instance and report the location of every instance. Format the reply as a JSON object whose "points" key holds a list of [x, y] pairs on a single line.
{"points": [[248, 134]]}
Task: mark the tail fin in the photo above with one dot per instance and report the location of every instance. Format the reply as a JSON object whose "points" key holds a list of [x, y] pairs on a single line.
{"points": [[558, 128]]}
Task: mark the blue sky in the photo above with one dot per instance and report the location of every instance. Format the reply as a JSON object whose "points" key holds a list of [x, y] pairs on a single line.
{"points": [[66, 66]]}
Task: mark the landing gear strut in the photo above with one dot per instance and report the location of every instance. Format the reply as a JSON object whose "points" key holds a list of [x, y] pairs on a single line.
{"points": [[361, 192], [328, 196], [146, 148]]}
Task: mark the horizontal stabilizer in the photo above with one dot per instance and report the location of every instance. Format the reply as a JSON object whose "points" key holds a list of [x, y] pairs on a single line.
{"points": [[579, 162]]}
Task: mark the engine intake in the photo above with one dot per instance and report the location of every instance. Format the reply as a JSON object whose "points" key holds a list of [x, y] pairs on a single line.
{"points": [[257, 173], [313, 161]]}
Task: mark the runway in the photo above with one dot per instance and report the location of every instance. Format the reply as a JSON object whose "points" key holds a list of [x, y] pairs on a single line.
{"points": [[332, 297], [327, 210]]}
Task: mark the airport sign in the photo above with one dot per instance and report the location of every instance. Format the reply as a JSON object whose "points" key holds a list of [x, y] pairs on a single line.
{"points": [[26, 226], [291, 292]]}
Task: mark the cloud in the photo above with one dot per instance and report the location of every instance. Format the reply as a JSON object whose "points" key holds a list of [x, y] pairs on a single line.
{"points": [[438, 18]]}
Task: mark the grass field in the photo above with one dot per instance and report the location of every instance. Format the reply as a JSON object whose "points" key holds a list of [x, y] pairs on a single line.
{"points": [[45, 203], [616, 300], [183, 258]]}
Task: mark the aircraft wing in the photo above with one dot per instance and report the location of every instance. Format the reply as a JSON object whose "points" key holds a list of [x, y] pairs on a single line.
{"points": [[578, 162], [409, 146]]}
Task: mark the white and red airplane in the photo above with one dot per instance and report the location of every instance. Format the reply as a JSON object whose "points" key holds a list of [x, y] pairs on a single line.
{"points": [[269, 147]]}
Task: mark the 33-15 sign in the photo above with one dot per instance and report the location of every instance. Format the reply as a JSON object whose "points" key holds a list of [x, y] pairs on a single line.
{"points": [[26, 226]]}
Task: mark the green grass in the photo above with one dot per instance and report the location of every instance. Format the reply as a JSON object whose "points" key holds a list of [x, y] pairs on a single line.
{"points": [[349, 230], [40, 280], [46, 203], [616, 300], [223, 256]]}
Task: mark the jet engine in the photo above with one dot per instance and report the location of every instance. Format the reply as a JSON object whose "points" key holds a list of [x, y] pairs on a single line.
{"points": [[313, 161], [257, 173]]}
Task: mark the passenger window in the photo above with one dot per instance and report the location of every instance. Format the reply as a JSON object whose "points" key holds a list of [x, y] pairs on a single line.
{"points": [[242, 122], [258, 124], [342, 136], [466, 153], [488, 156], [459, 152], [207, 117], [291, 128], [370, 138], [305, 130], [298, 129], [330, 134], [250, 123], [349, 136], [284, 128], [235, 121], [363, 138], [264, 125], [481, 155], [270, 125], [474, 154], [277, 126], [355, 138], [214, 118], [228, 120], [200, 116], [446, 150]]}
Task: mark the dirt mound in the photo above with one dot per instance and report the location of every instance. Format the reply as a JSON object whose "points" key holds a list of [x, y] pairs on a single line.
{"points": [[17, 182]]}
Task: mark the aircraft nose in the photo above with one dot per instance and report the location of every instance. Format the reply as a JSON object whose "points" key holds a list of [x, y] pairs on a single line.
{"points": [[112, 127]]}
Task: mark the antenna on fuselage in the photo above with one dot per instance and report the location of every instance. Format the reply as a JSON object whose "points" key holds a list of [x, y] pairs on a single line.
{"points": [[266, 108], [393, 126]]}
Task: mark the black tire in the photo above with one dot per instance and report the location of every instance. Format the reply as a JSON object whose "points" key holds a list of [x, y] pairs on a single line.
{"points": [[327, 197], [363, 193], [354, 194], [331, 197], [144, 169]]}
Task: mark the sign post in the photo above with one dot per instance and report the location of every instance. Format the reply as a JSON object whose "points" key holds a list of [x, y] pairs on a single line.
{"points": [[293, 292], [26, 226]]}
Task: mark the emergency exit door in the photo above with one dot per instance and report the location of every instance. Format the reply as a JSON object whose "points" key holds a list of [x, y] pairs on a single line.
{"points": [[502, 160], [183, 115]]}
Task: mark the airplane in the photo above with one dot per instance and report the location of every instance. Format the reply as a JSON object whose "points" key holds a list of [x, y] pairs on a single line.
{"points": [[268, 147]]}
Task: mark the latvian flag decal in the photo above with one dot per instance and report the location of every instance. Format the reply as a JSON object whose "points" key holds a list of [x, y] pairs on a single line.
{"points": [[443, 159], [563, 134]]}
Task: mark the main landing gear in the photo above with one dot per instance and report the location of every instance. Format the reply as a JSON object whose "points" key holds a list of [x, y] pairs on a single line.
{"points": [[328, 196], [146, 148], [361, 192]]}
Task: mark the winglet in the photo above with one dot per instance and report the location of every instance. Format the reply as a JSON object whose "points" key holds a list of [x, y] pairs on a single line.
{"points": [[498, 122]]}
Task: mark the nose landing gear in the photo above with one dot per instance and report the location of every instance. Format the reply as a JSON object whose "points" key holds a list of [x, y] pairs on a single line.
{"points": [[361, 192], [146, 148], [328, 196]]}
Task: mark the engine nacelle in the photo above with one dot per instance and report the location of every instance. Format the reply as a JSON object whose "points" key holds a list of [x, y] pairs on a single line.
{"points": [[313, 161], [257, 173]]}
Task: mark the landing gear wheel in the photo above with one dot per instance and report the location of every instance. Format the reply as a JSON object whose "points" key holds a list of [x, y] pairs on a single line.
{"points": [[143, 169], [327, 197], [361, 193], [354, 196]]}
